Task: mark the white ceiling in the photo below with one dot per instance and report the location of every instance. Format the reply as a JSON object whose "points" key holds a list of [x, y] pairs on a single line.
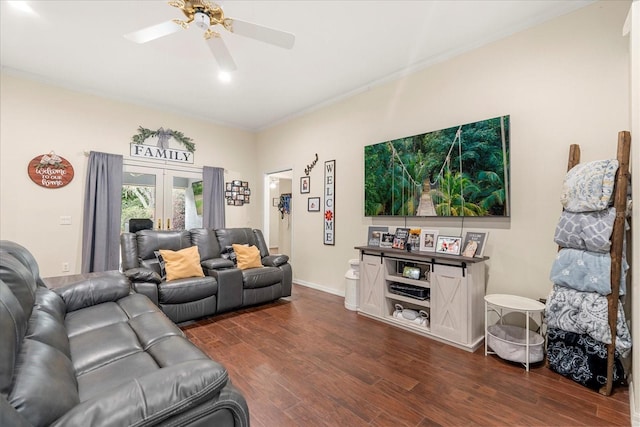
{"points": [[342, 47]]}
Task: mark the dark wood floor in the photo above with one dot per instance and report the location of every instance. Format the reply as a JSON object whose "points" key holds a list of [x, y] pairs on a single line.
{"points": [[307, 361]]}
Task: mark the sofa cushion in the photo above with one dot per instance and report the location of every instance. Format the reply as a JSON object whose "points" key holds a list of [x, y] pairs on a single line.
{"points": [[261, 277], [187, 290], [90, 289], [162, 264], [46, 389], [206, 241], [229, 236], [13, 324], [182, 264], [19, 280], [149, 241], [247, 256]]}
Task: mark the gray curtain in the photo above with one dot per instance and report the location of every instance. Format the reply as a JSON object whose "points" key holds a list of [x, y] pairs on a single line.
{"points": [[213, 197], [102, 209]]}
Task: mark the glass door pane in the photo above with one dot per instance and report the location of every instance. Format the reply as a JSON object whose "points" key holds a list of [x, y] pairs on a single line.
{"points": [[172, 199], [139, 196], [185, 207]]}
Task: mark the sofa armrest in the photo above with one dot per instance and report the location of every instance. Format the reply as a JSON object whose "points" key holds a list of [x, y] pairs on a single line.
{"points": [[94, 288], [216, 263], [142, 274], [230, 287], [275, 260], [148, 289], [159, 396]]}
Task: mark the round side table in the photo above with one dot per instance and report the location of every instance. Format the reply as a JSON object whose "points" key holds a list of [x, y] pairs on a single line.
{"points": [[512, 303]]}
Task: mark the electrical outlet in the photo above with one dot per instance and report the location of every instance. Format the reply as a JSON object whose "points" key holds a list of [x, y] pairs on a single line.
{"points": [[65, 267], [65, 220]]}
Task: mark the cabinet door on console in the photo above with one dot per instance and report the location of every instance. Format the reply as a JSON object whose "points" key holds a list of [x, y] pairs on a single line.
{"points": [[371, 285], [449, 314]]}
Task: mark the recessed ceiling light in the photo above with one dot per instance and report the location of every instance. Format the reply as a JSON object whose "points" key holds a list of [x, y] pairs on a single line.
{"points": [[22, 6], [224, 76]]}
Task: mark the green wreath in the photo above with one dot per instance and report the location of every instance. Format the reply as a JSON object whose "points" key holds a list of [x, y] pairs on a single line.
{"points": [[144, 133]]}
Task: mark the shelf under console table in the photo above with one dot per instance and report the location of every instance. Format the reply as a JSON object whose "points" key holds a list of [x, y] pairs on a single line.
{"points": [[449, 289]]}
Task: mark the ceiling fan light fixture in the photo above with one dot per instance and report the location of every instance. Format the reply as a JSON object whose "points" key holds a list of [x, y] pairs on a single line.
{"points": [[224, 76], [201, 20]]}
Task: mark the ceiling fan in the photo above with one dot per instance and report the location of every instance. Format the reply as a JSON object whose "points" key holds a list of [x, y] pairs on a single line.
{"points": [[206, 16]]}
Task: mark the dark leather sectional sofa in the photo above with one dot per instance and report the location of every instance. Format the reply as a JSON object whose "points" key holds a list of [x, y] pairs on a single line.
{"points": [[92, 353], [224, 287]]}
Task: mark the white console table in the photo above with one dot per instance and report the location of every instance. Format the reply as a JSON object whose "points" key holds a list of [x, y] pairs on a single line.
{"points": [[452, 291]]}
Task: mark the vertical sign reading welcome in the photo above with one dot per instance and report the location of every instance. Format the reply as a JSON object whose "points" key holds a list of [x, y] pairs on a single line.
{"points": [[329, 198]]}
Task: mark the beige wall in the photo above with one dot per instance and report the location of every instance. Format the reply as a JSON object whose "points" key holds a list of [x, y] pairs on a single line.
{"points": [[563, 82], [37, 118]]}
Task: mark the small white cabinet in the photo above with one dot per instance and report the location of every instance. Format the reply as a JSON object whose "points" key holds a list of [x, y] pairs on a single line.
{"points": [[449, 289]]}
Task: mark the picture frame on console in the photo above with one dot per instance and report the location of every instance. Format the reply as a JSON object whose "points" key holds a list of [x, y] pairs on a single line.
{"points": [[450, 245], [428, 239], [477, 239]]}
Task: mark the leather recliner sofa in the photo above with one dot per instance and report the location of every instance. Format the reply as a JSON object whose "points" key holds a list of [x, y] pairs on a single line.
{"points": [[226, 287], [91, 353], [180, 299], [252, 286]]}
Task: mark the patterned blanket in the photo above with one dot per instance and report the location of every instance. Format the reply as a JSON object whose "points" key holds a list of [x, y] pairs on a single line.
{"points": [[586, 313]]}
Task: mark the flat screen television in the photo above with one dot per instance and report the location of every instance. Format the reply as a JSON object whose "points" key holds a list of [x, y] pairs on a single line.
{"points": [[459, 171]]}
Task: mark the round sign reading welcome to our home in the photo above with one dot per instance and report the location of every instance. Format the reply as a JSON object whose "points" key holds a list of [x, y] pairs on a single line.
{"points": [[50, 170]]}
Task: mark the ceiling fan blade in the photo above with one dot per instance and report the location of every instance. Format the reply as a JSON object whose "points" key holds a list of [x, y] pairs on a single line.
{"points": [[258, 32], [153, 32], [221, 53]]}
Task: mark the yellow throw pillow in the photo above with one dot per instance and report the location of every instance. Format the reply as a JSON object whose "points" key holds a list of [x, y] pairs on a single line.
{"points": [[247, 256], [182, 264]]}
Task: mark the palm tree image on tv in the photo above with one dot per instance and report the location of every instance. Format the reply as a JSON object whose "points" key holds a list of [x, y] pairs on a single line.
{"points": [[459, 171]]}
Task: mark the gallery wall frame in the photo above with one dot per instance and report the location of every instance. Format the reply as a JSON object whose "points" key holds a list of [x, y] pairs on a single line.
{"points": [[305, 185], [237, 193], [313, 204]]}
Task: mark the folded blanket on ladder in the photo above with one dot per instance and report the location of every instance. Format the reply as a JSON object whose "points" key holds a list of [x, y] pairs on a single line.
{"points": [[586, 313]]}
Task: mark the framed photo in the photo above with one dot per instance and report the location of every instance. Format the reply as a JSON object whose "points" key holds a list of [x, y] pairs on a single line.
{"points": [[305, 184], [313, 204], [375, 235], [449, 245], [386, 240], [274, 202], [475, 240], [428, 239], [228, 186]]}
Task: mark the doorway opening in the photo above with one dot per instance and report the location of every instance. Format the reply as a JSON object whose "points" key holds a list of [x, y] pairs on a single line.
{"points": [[278, 213]]}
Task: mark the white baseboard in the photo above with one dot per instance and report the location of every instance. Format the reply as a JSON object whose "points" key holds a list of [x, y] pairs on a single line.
{"points": [[634, 415], [319, 287]]}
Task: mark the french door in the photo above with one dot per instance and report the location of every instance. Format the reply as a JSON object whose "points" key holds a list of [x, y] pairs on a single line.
{"points": [[170, 197]]}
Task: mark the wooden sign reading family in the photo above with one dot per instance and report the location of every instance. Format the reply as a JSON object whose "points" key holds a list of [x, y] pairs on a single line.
{"points": [[162, 151], [50, 171]]}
